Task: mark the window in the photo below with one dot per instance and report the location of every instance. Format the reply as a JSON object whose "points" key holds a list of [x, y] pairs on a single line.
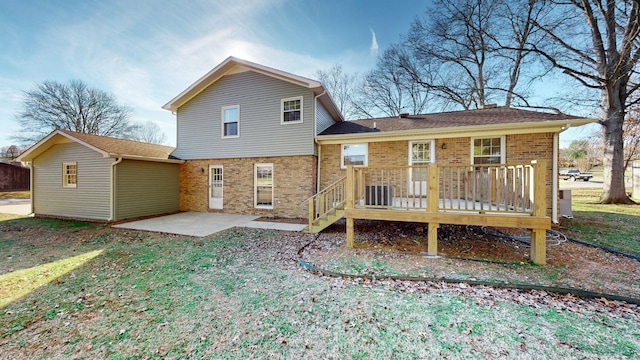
{"points": [[231, 121], [70, 174], [354, 154], [292, 110], [488, 150], [263, 184]]}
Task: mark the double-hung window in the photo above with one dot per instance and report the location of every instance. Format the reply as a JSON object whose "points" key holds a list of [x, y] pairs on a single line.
{"points": [[488, 150], [70, 174], [231, 121], [291, 112], [263, 186]]}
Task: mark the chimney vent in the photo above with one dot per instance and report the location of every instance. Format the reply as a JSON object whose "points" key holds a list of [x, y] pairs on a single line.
{"points": [[489, 106], [404, 115]]}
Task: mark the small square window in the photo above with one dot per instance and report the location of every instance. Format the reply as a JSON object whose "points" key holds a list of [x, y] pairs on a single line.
{"points": [[291, 111], [70, 175], [231, 121], [354, 154]]}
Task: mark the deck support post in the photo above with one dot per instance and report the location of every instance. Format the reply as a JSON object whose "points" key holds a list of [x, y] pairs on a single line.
{"points": [[539, 236], [432, 246], [350, 233], [539, 246], [349, 199], [433, 200]]}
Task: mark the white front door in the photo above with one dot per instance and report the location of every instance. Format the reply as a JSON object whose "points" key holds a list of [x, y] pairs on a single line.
{"points": [[215, 186], [420, 153]]}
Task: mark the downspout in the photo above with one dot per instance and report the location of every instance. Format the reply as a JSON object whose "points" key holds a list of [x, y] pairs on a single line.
{"points": [[31, 170], [113, 190], [315, 133], [554, 179]]}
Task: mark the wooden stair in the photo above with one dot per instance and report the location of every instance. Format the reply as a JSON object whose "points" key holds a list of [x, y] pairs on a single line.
{"points": [[325, 221]]}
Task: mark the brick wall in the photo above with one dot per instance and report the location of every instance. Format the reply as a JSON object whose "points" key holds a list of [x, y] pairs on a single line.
{"points": [[294, 180], [523, 148]]}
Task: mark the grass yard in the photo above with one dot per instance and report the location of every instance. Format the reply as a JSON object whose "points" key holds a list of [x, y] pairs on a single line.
{"points": [[613, 226], [118, 294], [15, 194]]}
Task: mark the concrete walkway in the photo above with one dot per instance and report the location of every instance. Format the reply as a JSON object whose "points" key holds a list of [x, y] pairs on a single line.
{"points": [[15, 206], [203, 224]]}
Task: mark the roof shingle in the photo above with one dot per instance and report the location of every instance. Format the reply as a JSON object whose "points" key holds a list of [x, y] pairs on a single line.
{"points": [[490, 116], [123, 147]]}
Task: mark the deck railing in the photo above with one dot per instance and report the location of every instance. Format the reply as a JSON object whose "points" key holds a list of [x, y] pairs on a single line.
{"points": [[460, 195], [330, 198], [499, 188]]}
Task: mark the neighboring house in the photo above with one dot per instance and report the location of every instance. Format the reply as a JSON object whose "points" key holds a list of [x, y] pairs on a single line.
{"points": [[247, 135], [13, 176], [77, 175]]}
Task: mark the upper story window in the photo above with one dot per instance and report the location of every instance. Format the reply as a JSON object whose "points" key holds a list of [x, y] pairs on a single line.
{"points": [[70, 174], [488, 150], [354, 154], [291, 110], [231, 121]]}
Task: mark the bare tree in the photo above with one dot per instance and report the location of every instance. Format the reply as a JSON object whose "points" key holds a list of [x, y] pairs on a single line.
{"points": [[341, 87], [388, 90], [148, 132], [597, 44], [11, 151], [455, 41], [72, 106], [472, 52]]}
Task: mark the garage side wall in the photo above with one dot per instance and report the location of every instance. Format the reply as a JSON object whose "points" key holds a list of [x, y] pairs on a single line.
{"points": [[145, 188], [88, 200]]}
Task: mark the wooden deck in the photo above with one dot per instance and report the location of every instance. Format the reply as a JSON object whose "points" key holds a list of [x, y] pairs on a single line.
{"points": [[504, 195]]}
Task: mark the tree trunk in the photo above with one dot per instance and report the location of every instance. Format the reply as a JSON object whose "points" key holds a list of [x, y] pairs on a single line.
{"points": [[613, 190]]}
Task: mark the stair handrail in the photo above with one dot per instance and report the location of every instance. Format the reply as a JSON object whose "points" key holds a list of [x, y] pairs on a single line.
{"points": [[318, 204]]}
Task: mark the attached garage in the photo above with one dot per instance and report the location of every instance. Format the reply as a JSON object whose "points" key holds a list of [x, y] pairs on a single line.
{"points": [[82, 176]]}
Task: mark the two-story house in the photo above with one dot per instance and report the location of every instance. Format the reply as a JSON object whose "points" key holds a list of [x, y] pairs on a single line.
{"points": [[247, 135]]}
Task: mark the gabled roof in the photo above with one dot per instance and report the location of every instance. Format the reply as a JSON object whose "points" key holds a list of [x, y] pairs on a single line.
{"points": [[232, 64], [107, 146], [498, 120]]}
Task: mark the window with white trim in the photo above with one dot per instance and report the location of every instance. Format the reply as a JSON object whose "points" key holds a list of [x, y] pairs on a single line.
{"points": [[263, 186], [291, 110], [354, 154], [70, 174], [231, 121], [488, 150]]}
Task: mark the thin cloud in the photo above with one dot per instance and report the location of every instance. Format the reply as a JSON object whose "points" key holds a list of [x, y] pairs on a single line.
{"points": [[374, 43]]}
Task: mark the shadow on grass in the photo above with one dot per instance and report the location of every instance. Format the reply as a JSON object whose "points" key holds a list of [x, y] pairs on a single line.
{"points": [[16, 284]]}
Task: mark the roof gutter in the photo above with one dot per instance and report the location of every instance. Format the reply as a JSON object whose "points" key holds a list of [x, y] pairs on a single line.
{"points": [[144, 158]]}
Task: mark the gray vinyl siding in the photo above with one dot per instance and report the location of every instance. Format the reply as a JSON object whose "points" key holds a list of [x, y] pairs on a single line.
{"points": [[90, 199], [324, 119], [145, 188], [261, 133]]}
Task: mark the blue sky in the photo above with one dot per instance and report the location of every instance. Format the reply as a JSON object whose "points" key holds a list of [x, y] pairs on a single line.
{"points": [[146, 52]]}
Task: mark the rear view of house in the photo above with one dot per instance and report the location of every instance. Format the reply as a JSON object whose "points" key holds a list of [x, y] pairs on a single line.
{"points": [[246, 133], [82, 176]]}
